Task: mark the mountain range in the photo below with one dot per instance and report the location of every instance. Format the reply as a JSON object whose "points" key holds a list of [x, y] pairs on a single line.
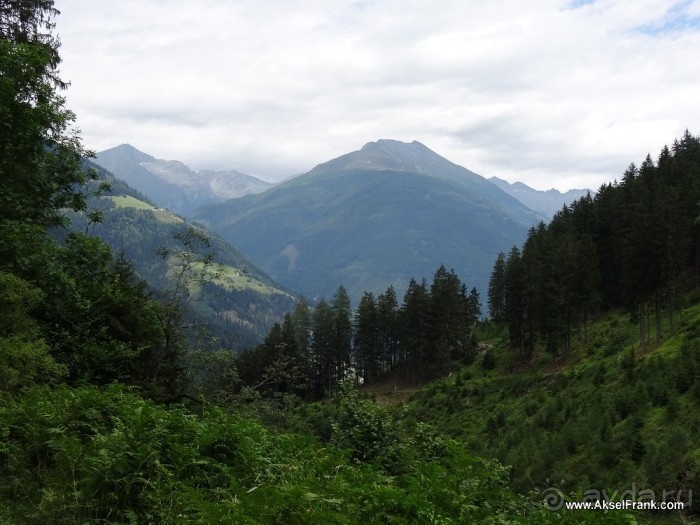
{"points": [[545, 202], [382, 215], [173, 185]]}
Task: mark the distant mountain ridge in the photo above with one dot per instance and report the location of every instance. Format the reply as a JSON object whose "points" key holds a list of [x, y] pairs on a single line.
{"points": [[373, 218], [545, 202], [172, 184]]}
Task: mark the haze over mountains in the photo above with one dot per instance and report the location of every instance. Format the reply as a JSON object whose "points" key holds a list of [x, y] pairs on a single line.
{"points": [[172, 184], [382, 215], [378, 216], [545, 202]]}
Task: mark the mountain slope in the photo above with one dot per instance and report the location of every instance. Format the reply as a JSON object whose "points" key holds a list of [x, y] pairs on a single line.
{"points": [[172, 184], [372, 218], [241, 305], [545, 202], [609, 414]]}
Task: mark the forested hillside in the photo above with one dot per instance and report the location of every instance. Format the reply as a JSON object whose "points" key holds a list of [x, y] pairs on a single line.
{"points": [[237, 302], [635, 245], [609, 415]]}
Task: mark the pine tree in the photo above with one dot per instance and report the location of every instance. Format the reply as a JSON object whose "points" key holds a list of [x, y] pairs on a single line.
{"points": [[414, 341], [496, 292], [515, 299], [301, 325], [366, 346], [342, 334], [322, 346], [388, 326]]}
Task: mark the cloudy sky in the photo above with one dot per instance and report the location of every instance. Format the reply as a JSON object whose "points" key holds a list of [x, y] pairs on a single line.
{"points": [[555, 93]]}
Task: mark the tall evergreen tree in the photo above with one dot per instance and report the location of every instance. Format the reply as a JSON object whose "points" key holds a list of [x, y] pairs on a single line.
{"points": [[450, 321], [41, 155], [515, 299], [323, 357], [301, 325], [496, 291], [342, 333], [388, 326], [415, 335], [367, 348]]}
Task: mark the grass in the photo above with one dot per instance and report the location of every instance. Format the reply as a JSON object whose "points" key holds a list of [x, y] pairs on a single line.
{"points": [[127, 201], [231, 279], [235, 279]]}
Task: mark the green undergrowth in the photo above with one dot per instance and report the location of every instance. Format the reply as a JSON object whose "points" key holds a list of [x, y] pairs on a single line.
{"points": [[91, 455], [610, 415]]}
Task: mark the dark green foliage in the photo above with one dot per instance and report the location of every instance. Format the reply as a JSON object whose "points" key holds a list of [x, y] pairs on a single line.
{"points": [[24, 355], [341, 338], [95, 450], [323, 373], [432, 330], [97, 316], [633, 245], [365, 429], [88, 455], [40, 155], [488, 362], [452, 314], [496, 292], [366, 343], [278, 365], [77, 308]]}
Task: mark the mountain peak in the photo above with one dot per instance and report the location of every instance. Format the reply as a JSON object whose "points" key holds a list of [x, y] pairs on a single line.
{"points": [[397, 144], [172, 184], [126, 151], [394, 155], [374, 217]]}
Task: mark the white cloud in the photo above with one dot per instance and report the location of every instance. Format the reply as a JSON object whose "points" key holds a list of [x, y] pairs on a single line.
{"points": [[549, 92]]}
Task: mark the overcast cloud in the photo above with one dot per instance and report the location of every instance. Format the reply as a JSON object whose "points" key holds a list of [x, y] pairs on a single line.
{"points": [[553, 93]]}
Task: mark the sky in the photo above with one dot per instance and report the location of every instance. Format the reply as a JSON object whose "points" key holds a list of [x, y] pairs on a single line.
{"points": [[552, 93]]}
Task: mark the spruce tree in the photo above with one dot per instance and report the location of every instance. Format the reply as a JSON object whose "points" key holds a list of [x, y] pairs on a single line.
{"points": [[496, 291]]}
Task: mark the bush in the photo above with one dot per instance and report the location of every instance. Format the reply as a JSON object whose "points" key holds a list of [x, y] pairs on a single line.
{"points": [[106, 455]]}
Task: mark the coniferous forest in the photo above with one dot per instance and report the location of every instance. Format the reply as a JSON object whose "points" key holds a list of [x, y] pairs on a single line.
{"points": [[634, 245], [421, 409]]}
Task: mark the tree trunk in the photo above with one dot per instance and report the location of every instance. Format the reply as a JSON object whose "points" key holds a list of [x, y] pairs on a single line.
{"points": [[642, 328], [657, 315], [671, 327]]}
